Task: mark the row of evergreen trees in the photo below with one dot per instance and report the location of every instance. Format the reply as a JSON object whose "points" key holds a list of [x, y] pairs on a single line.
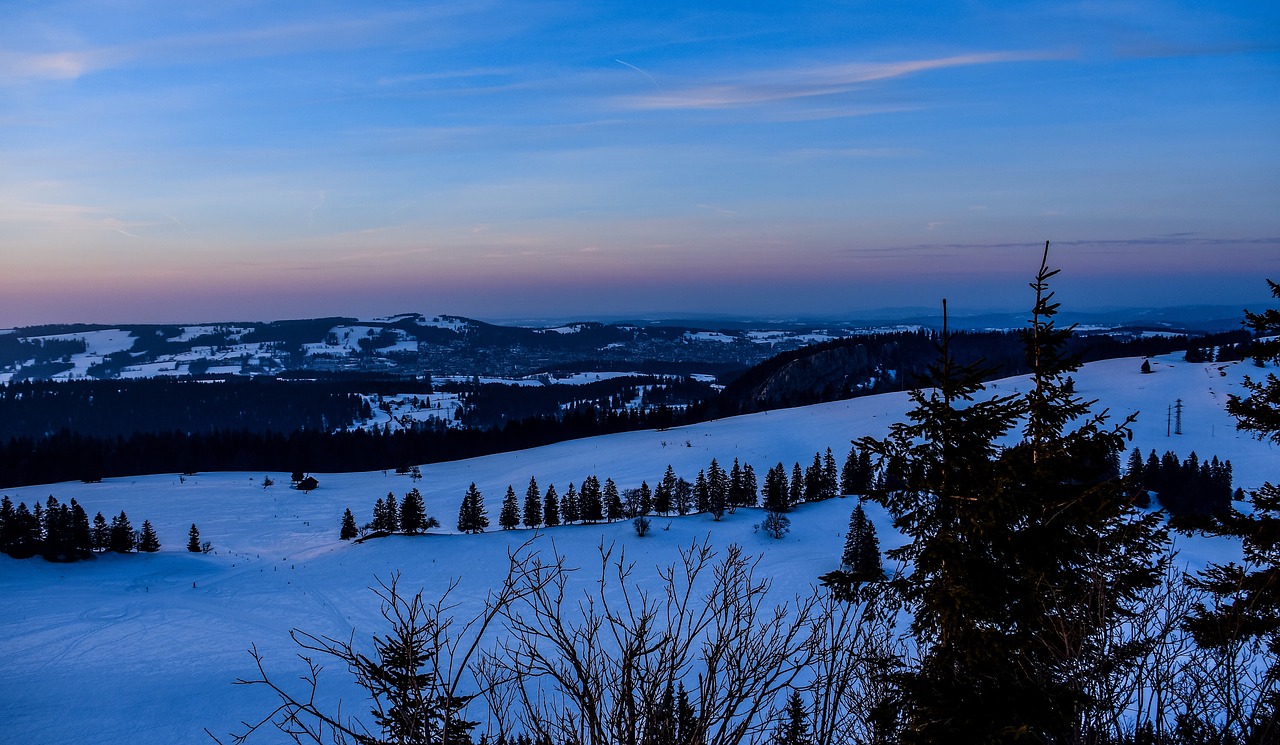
{"points": [[409, 516], [714, 491], [1188, 487], [62, 532]]}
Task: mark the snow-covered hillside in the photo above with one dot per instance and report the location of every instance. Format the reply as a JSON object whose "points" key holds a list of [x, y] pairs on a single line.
{"points": [[144, 648]]}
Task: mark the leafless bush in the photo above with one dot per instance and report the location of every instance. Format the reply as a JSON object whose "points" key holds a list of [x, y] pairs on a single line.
{"points": [[595, 667]]}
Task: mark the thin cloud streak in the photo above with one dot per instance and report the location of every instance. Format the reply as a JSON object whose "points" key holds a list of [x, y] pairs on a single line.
{"points": [[786, 84]]}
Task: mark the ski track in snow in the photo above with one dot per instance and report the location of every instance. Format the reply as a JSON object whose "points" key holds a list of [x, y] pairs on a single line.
{"points": [[144, 648]]}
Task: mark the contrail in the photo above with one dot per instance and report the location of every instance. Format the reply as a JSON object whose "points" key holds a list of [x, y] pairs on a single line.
{"points": [[642, 72]]}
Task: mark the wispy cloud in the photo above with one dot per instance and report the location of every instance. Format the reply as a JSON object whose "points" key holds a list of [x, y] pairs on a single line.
{"points": [[284, 38], [769, 86]]}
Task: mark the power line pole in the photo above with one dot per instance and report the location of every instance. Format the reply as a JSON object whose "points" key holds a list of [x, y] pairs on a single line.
{"points": [[1177, 426]]}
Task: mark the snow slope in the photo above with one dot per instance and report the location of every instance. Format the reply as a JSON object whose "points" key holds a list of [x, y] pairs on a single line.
{"points": [[144, 648]]}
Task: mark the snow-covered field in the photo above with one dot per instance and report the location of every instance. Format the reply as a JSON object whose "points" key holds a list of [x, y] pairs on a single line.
{"points": [[144, 648]]}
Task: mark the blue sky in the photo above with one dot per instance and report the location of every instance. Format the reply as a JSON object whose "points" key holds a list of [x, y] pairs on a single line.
{"points": [[263, 160]]}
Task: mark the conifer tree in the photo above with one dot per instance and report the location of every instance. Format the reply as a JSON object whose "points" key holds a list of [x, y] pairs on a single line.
{"points": [[472, 517], [413, 512], [379, 523], [571, 506], [57, 532], [688, 728], [701, 493], [392, 514], [193, 539], [736, 497], [148, 542], [862, 548], [717, 489], [551, 507], [348, 529], [795, 493], [682, 496], [532, 505], [849, 473], [776, 490], [665, 493], [81, 533], [509, 515], [830, 476], [590, 500], [23, 540], [793, 729], [101, 533], [614, 509], [989, 529], [750, 487], [813, 479], [662, 498], [1245, 604], [7, 523], [122, 539]]}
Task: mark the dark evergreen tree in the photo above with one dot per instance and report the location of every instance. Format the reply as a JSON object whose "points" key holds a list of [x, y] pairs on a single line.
{"points": [[413, 512], [551, 507], [862, 548], [750, 487], [6, 523], [736, 489], [1245, 605], [348, 529], [701, 493], [830, 476], [392, 524], [23, 540], [81, 533], [662, 725], [509, 515], [689, 729], [57, 532], [989, 528], [793, 729], [101, 533], [614, 509], [590, 500], [849, 473], [379, 522], [122, 539], [776, 490], [472, 517], [571, 506], [1133, 470], [717, 490], [795, 493], [813, 479], [682, 496], [193, 537], [532, 505], [148, 542], [665, 492]]}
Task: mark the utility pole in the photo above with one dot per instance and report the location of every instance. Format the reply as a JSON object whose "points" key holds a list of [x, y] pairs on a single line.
{"points": [[1177, 426], [1168, 420]]}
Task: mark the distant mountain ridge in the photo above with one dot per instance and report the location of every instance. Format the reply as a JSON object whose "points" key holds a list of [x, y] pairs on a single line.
{"points": [[416, 344]]}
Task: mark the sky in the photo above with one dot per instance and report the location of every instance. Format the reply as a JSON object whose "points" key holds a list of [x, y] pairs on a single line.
{"points": [[257, 160]]}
